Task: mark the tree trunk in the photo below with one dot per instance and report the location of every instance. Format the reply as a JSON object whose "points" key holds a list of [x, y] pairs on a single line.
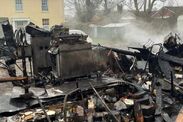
{"points": [[151, 5], [105, 5], [88, 3], [136, 6], [106, 9], [120, 8], [145, 5]]}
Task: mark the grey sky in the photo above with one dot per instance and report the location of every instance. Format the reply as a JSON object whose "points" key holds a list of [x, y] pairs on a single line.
{"points": [[70, 11]]}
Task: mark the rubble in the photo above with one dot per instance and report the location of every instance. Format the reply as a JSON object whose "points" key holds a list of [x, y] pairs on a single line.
{"points": [[74, 80]]}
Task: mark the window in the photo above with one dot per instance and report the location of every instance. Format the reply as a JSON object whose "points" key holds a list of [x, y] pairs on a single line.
{"points": [[45, 23], [44, 5], [19, 5], [20, 24]]}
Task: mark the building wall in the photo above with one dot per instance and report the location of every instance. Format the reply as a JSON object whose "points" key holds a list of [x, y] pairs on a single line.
{"points": [[32, 11], [180, 24]]}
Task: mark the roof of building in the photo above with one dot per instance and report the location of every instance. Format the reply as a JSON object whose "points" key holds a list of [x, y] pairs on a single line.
{"points": [[2, 19], [168, 11], [177, 9], [112, 25]]}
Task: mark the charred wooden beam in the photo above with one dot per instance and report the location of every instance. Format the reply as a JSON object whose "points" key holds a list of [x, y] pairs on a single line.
{"points": [[10, 79]]}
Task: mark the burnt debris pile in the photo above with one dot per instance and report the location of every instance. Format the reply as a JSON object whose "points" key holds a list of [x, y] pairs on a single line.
{"points": [[65, 78]]}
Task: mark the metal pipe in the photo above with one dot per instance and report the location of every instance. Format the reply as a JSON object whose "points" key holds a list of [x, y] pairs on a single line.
{"points": [[125, 52], [172, 85], [65, 100], [10, 79], [108, 109], [42, 107], [30, 62]]}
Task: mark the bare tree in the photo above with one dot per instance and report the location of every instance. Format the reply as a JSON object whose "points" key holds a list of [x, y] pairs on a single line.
{"points": [[86, 9], [142, 8], [143, 5]]}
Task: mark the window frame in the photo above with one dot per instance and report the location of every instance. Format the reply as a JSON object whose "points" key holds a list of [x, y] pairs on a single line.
{"points": [[46, 23], [44, 5], [19, 5]]}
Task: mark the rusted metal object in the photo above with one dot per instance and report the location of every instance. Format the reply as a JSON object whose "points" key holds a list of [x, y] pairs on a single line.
{"points": [[138, 113], [10, 79], [180, 116]]}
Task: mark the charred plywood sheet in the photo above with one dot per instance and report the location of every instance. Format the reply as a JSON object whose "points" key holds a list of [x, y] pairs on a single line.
{"points": [[165, 68], [170, 58], [11, 103], [75, 60], [41, 57]]}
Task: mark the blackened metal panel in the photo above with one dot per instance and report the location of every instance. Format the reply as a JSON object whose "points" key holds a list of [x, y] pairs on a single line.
{"points": [[75, 60], [27, 49], [170, 58], [41, 57], [165, 68]]}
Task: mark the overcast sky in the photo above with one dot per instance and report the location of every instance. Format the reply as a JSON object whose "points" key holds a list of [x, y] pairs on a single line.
{"points": [[174, 2], [70, 11]]}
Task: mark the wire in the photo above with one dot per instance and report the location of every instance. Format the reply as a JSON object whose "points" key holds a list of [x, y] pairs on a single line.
{"points": [[118, 64], [160, 49]]}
